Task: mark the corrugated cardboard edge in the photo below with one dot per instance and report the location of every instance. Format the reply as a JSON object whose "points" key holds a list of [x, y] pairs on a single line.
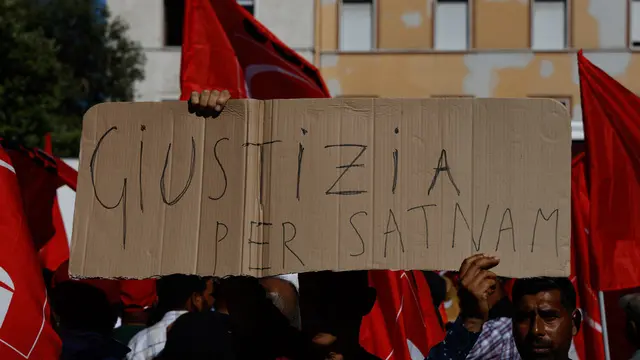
{"points": [[77, 258]]}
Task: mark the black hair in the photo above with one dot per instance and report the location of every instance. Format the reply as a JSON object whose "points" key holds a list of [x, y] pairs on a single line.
{"points": [[532, 286], [240, 290], [173, 293], [174, 290], [80, 306]]}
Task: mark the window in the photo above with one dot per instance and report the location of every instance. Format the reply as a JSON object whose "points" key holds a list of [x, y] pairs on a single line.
{"points": [[451, 30], [356, 25], [549, 21], [248, 5], [634, 26], [173, 20]]}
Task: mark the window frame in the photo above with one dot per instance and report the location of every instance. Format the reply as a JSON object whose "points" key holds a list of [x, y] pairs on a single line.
{"points": [[253, 3], [630, 42], [470, 25], [374, 27], [568, 35]]}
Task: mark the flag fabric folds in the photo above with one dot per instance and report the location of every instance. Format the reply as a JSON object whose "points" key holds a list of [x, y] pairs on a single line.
{"points": [[235, 52], [611, 116], [403, 324], [25, 330], [589, 342]]}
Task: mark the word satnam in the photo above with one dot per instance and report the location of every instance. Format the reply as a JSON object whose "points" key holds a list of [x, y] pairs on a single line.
{"points": [[393, 231]]}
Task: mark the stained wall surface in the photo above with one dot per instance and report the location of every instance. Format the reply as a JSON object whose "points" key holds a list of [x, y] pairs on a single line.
{"points": [[498, 60]]}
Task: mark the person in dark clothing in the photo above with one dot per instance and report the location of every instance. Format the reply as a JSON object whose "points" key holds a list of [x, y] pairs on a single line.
{"points": [[200, 336], [260, 330], [630, 303], [134, 320], [438, 288], [333, 305], [85, 322]]}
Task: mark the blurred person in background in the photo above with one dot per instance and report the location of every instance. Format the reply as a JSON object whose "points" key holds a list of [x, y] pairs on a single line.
{"points": [[137, 298], [333, 305], [134, 319], [630, 303], [438, 288], [85, 322], [200, 336], [284, 296], [210, 282], [260, 330], [177, 295]]}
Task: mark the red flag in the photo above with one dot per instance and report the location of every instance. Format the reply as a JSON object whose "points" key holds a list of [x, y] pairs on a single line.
{"points": [[235, 52], [611, 116], [403, 324], [589, 342], [38, 179], [25, 332], [56, 250], [139, 293]]}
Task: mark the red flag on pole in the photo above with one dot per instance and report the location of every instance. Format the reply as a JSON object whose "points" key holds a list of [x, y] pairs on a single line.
{"points": [[235, 52], [589, 342], [25, 332], [611, 116]]}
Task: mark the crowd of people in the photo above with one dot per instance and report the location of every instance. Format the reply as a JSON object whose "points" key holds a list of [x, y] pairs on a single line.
{"points": [[242, 317]]}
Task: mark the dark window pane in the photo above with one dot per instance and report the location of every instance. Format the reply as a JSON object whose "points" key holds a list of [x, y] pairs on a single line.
{"points": [[173, 22]]}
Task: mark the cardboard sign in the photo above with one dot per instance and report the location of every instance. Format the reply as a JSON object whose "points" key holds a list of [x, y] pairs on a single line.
{"points": [[284, 186]]}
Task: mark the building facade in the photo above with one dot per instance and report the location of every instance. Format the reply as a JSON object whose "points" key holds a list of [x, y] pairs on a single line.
{"points": [[157, 26], [422, 48]]}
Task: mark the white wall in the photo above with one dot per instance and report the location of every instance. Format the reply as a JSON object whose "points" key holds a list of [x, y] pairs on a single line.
{"points": [[290, 20], [67, 201]]}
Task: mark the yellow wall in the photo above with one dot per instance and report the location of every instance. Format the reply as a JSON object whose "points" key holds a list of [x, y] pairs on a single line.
{"points": [[500, 24], [499, 63], [517, 74]]}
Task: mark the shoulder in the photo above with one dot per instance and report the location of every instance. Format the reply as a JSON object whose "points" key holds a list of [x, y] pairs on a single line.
{"points": [[140, 340]]}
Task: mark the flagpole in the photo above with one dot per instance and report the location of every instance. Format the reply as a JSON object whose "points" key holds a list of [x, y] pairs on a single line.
{"points": [[603, 321]]}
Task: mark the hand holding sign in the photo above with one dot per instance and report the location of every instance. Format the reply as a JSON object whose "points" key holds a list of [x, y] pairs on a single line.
{"points": [[208, 102], [476, 285]]}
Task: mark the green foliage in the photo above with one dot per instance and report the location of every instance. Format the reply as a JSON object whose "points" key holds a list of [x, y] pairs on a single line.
{"points": [[57, 59]]}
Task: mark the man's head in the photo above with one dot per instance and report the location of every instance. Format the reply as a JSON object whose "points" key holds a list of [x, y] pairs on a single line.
{"points": [[284, 296], [79, 306], [182, 292], [210, 282], [546, 318], [630, 303]]}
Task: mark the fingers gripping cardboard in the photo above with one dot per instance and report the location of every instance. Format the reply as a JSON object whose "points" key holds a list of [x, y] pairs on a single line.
{"points": [[284, 186]]}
